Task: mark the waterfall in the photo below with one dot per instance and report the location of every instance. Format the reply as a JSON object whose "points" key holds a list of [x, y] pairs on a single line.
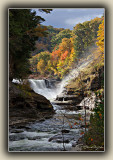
{"points": [[51, 92], [48, 89], [41, 87]]}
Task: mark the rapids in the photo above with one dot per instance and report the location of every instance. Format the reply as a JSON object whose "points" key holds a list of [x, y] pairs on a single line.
{"points": [[58, 133]]}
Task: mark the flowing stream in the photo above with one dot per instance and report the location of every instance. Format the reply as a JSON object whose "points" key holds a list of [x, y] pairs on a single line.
{"points": [[58, 133]]}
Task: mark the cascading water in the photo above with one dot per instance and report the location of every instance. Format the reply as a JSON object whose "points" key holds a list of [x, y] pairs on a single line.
{"points": [[40, 86], [47, 135]]}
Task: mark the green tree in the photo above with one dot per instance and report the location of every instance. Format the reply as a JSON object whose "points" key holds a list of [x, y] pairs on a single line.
{"points": [[44, 43], [24, 29], [57, 39], [79, 41], [85, 35]]}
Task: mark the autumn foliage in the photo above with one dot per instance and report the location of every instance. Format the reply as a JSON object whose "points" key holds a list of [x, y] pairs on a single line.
{"points": [[68, 45], [100, 38]]}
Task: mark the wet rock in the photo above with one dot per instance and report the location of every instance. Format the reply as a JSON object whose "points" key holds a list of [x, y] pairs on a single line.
{"points": [[70, 97], [86, 107], [62, 141], [16, 137], [78, 107], [74, 144], [23, 127], [17, 131], [65, 131], [66, 138], [34, 138]]}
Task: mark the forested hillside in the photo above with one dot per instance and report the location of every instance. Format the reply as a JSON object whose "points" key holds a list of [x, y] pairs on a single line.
{"points": [[60, 50]]}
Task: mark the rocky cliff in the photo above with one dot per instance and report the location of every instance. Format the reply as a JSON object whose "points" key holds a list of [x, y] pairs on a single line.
{"points": [[89, 80], [25, 105]]}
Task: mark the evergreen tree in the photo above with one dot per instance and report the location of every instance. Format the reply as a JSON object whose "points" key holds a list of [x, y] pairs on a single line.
{"points": [[24, 30]]}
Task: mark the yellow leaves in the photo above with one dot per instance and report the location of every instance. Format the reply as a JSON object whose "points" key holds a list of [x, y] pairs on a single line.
{"points": [[100, 38], [41, 65], [72, 50]]}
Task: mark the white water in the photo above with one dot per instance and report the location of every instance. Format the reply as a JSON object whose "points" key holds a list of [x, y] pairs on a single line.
{"points": [[42, 131], [39, 86]]}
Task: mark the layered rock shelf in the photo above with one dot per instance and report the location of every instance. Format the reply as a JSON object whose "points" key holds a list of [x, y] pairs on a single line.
{"points": [[70, 98], [26, 105]]}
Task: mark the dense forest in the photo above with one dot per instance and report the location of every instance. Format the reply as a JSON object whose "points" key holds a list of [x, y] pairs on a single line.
{"points": [[57, 54]]}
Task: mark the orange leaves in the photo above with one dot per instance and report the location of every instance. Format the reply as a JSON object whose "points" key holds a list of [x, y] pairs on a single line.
{"points": [[91, 139], [82, 133], [72, 50], [100, 114], [55, 54], [81, 119], [64, 55]]}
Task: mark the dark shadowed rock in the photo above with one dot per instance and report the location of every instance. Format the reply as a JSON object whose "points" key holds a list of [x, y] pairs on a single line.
{"points": [[25, 105], [96, 82], [65, 131]]}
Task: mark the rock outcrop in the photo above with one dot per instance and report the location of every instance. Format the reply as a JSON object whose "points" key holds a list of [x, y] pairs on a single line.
{"points": [[25, 105], [97, 81], [70, 97], [78, 89]]}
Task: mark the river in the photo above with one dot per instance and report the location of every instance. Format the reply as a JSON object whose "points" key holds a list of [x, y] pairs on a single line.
{"points": [[59, 133]]}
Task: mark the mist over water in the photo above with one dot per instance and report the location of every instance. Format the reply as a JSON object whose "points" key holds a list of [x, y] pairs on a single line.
{"points": [[39, 86]]}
